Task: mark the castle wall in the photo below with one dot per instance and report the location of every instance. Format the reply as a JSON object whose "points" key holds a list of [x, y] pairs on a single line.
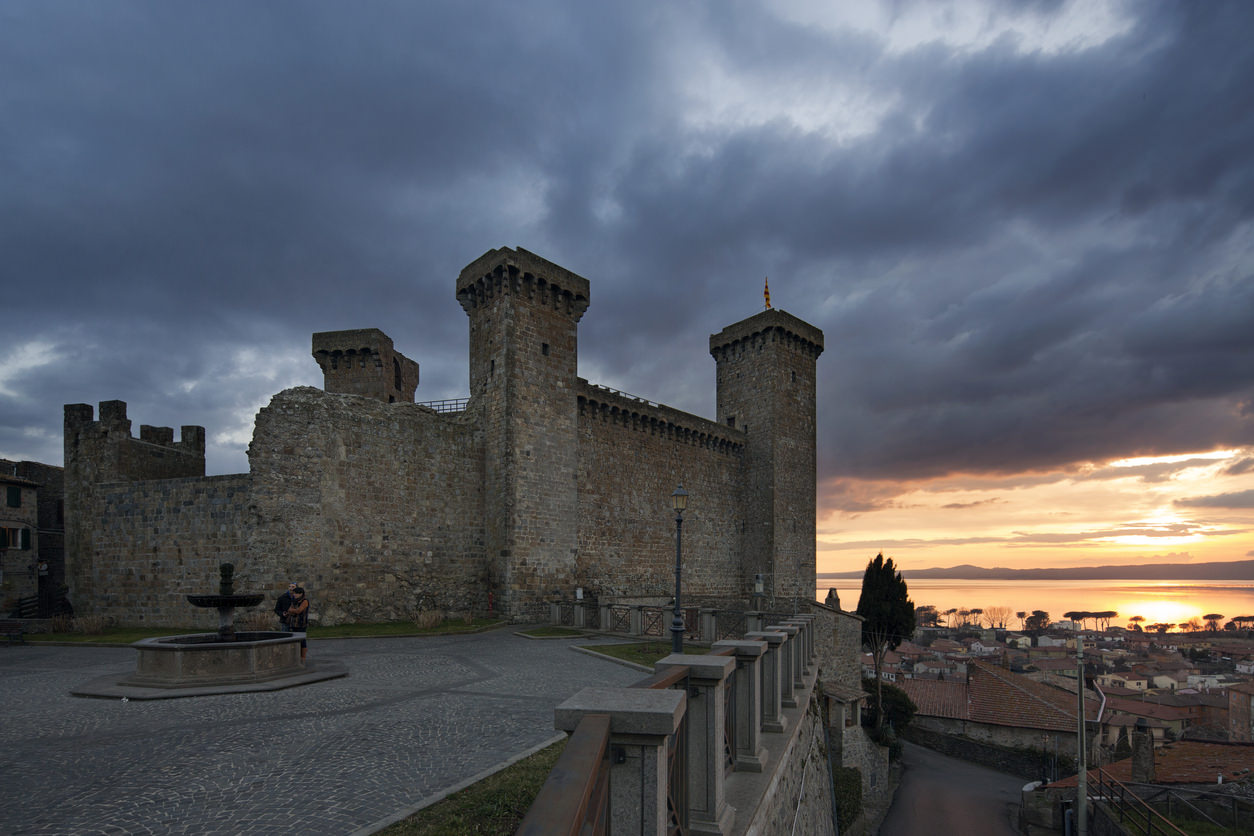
{"points": [[156, 541], [376, 508], [632, 455], [543, 483]]}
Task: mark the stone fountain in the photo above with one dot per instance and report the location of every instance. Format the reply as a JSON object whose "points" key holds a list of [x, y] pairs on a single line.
{"points": [[215, 663]]}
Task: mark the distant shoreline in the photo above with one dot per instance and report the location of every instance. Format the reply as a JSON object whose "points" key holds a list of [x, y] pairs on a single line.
{"points": [[1237, 570]]}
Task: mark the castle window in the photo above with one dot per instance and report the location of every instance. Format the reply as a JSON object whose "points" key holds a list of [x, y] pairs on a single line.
{"points": [[15, 496], [396, 374], [731, 420], [544, 349]]}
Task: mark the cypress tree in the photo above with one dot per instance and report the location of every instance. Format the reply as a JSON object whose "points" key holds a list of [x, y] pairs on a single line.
{"points": [[887, 617]]}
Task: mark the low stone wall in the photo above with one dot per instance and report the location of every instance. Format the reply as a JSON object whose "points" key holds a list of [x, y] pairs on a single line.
{"points": [[1025, 765]]}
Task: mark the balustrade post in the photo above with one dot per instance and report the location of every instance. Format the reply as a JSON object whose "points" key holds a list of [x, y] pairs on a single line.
{"points": [[750, 754], [754, 621], [607, 619], [708, 624], [641, 722], [708, 811], [773, 719], [790, 674], [580, 617], [637, 625], [806, 643], [555, 613]]}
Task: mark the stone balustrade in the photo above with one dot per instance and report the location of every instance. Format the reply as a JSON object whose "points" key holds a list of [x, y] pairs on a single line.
{"points": [[760, 679]]}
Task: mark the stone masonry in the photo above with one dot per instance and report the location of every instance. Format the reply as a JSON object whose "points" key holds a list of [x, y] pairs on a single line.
{"points": [[384, 507]]}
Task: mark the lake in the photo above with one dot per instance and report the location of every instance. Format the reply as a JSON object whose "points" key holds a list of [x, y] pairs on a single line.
{"points": [[1158, 601]]}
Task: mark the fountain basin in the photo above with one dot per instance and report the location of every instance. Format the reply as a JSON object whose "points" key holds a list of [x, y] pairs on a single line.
{"points": [[203, 659]]}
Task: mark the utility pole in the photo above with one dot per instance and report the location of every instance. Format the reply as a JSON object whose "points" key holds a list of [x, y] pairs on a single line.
{"points": [[1082, 779]]}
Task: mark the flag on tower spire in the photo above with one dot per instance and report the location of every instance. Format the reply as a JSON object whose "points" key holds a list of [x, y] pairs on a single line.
{"points": [[766, 291]]}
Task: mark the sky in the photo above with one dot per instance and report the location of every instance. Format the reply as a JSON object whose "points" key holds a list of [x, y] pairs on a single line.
{"points": [[1026, 230]]}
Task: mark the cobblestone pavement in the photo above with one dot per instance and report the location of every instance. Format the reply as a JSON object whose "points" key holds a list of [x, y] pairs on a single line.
{"points": [[413, 718]]}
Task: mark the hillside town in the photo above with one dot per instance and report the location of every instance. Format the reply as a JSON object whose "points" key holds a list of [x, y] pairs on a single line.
{"points": [[1195, 685]]}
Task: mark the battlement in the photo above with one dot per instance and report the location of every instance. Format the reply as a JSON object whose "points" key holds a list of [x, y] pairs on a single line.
{"points": [[768, 326], [115, 455], [618, 408], [509, 271], [115, 424], [364, 362]]}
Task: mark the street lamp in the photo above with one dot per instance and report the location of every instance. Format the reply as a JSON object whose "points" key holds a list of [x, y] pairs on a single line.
{"points": [[679, 501]]}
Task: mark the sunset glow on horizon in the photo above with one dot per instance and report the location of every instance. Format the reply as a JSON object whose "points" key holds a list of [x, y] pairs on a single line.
{"points": [[1190, 508]]}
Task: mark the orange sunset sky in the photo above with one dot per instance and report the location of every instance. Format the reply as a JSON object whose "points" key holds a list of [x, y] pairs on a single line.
{"points": [[1165, 509]]}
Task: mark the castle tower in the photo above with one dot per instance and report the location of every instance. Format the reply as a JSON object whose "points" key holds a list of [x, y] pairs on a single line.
{"points": [[363, 362], [766, 387], [104, 451], [524, 313]]}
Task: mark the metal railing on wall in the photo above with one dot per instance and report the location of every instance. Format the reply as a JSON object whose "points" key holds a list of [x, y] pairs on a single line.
{"points": [[1134, 815]]}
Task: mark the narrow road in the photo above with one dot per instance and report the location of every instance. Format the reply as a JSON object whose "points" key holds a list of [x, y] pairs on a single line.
{"points": [[940, 794]]}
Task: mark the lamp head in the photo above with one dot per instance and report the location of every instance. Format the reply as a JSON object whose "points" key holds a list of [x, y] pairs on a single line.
{"points": [[679, 499]]}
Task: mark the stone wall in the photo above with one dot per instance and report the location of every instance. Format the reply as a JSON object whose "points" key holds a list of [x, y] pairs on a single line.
{"points": [[375, 508], [632, 455], [798, 799], [838, 643], [159, 540], [1010, 750]]}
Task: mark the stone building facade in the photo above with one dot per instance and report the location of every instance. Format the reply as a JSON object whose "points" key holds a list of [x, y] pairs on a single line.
{"points": [[32, 542], [539, 483]]}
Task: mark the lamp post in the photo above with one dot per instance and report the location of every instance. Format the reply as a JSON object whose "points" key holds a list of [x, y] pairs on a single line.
{"points": [[679, 501]]}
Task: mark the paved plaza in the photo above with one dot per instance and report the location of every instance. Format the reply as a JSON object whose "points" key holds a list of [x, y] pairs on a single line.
{"points": [[413, 718]]}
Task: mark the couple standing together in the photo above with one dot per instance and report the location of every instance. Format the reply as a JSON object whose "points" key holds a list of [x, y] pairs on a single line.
{"points": [[292, 608]]}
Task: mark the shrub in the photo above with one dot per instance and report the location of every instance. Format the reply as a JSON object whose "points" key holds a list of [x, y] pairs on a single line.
{"points": [[899, 709], [429, 619], [848, 781], [90, 625]]}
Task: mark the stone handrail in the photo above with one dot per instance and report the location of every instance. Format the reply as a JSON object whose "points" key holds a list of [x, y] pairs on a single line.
{"points": [[672, 738]]}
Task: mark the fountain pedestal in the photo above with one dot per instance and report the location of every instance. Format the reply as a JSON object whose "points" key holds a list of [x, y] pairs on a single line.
{"points": [[185, 661]]}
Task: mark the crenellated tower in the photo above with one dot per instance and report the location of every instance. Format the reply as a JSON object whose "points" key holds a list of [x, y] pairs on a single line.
{"points": [[104, 451], [364, 362], [766, 387], [524, 313]]}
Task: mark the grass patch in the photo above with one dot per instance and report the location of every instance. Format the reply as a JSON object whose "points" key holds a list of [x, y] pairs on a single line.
{"points": [[126, 635], [400, 628], [551, 632], [493, 807], [112, 635], [1194, 827], [642, 653]]}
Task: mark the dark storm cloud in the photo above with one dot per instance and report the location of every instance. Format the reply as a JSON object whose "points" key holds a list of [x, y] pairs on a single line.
{"points": [[1237, 499], [1021, 259]]}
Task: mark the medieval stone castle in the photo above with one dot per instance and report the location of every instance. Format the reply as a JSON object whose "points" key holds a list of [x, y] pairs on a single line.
{"points": [[539, 483]]}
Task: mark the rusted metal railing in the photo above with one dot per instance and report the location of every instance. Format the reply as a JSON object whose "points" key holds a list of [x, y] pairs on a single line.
{"points": [[676, 753], [575, 798], [1136, 816]]}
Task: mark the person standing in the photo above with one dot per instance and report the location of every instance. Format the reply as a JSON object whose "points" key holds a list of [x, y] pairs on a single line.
{"points": [[298, 617], [283, 604]]}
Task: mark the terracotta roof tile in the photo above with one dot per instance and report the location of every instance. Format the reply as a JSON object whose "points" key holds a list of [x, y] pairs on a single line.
{"points": [[937, 697], [999, 697], [1187, 762]]}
